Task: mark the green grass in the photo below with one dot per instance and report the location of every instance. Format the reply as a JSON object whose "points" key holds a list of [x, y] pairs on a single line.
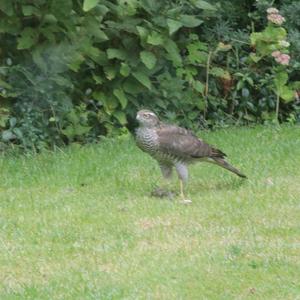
{"points": [[80, 224]]}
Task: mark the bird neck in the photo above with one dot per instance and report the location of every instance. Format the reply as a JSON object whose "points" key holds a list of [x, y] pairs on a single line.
{"points": [[148, 126]]}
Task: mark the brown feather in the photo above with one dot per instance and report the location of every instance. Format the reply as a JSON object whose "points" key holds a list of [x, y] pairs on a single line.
{"points": [[224, 164], [183, 143]]}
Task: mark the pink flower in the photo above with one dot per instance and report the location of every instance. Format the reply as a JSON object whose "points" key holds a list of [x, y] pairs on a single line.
{"points": [[272, 10], [276, 19], [276, 53], [283, 59]]}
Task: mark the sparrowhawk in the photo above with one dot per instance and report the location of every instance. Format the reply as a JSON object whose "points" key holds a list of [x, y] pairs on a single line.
{"points": [[174, 146]]}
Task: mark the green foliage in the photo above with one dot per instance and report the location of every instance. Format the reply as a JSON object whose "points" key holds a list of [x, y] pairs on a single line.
{"points": [[281, 88], [271, 42], [106, 59], [89, 4], [267, 41]]}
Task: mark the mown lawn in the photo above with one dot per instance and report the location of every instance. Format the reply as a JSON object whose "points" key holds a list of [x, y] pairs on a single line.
{"points": [[80, 223]]}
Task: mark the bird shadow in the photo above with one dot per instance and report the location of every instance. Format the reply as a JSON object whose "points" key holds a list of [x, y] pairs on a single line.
{"points": [[160, 192], [194, 187]]}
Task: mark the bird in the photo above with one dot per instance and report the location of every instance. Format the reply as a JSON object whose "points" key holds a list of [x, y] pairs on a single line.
{"points": [[176, 147]]}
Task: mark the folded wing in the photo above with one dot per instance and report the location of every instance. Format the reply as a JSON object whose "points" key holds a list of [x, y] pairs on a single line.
{"points": [[183, 143]]}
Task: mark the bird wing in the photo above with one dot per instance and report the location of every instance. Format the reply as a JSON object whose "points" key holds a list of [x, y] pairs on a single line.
{"points": [[183, 143]]}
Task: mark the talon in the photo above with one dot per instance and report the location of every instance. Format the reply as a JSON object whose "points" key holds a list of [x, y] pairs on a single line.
{"points": [[186, 201]]}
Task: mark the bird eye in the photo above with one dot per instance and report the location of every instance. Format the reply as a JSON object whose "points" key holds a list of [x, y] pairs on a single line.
{"points": [[146, 116]]}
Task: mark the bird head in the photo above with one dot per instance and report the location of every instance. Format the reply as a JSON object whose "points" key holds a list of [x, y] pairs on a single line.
{"points": [[147, 118]]}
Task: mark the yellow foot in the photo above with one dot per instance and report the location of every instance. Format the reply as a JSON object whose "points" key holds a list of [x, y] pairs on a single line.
{"points": [[185, 201]]}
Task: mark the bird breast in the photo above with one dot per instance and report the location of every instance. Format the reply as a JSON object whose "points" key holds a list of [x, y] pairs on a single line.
{"points": [[147, 140]]}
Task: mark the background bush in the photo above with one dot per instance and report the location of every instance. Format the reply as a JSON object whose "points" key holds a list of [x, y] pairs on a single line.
{"points": [[72, 71]]}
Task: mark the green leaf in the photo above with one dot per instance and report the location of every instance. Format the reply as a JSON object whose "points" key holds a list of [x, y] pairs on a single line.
{"points": [[4, 117], [110, 72], [148, 58], [150, 6], [173, 25], [98, 79], [120, 116], [281, 78], [255, 58], [96, 55], [61, 9], [63, 81], [250, 81], [143, 32], [254, 37], [39, 60], [102, 10], [7, 135], [119, 93], [273, 34], [143, 79], [201, 104], [89, 4], [198, 86], [131, 86], [50, 19], [110, 104], [155, 39], [204, 5], [99, 96], [7, 7], [173, 51], [124, 70], [5, 85], [190, 21], [219, 72], [28, 10], [74, 130], [75, 60], [12, 26], [240, 85], [91, 25], [198, 52], [116, 53], [73, 117], [295, 85], [28, 38], [128, 7], [101, 35], [287, 94], [249, 117], [101, 58]]}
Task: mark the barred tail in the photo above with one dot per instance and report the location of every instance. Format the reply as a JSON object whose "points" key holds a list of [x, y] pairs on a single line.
{"points": [[224, 164]]}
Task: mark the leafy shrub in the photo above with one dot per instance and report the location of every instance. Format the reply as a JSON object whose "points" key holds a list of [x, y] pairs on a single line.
{"points": [[76, 70]]}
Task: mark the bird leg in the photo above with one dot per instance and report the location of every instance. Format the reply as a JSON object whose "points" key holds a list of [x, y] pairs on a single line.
{"points": [[184, 200], [181, 189], [182, 172]]}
